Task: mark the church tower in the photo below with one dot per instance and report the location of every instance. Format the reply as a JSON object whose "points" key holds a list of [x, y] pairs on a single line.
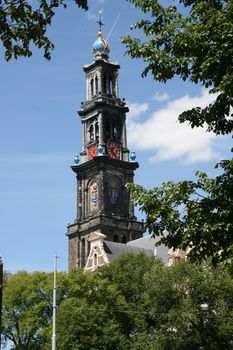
{"points": [[105, 164]]}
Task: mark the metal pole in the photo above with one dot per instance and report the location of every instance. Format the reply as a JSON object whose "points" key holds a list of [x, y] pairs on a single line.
{"points": [[54, 304], [1, 286]]}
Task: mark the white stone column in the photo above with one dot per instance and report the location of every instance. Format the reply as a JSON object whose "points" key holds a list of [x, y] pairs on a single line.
{"points": [[82, 200], [93, 86], [87, 88], [83, 135], [101, 131], [86, 202], [124, 137], [107, 85], [99, 81], [116, 86]]}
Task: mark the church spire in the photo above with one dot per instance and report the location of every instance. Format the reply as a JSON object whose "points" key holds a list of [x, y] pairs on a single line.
{"points": [[100, 19], [100, 46], [103, 202]]}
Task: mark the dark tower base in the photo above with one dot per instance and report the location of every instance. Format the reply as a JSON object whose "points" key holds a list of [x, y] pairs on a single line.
{"points": [[105, 206]]}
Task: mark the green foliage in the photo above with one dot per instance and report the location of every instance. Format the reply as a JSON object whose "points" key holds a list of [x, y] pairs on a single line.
{"points": [[82, 325], [174, 297], [27, 308], [86, 319], [192, 214], [196, 44], [135, 266], [137, 302], [133, 303], [24, 22], [32, 346], [129, 267]]}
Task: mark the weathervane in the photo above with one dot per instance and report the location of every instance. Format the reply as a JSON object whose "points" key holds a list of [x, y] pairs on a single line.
{"points": [[100, 23]]}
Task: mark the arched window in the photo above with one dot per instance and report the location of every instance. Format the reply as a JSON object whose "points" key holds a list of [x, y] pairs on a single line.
{"points": [[114, 190], [95, 260], [93, 195], [104, 84], [92, 87], [110, 87], [114, 87], [133, 237], [83, 257], [107, 130], [124, 240], [96, 85], [114, 131], [97, 132], [91, 132]]}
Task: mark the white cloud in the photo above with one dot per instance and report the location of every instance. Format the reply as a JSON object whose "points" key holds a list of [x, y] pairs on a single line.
{"points": [[169, 139], [92, 13], [135, 109], [161, 97], [91, 16]]}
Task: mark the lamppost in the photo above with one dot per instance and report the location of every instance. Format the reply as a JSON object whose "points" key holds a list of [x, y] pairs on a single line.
{"points": [[54, 303], [1, 283], [204, 308]]}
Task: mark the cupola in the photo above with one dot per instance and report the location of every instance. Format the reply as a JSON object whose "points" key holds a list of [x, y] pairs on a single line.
{"points": [[101, 48]]}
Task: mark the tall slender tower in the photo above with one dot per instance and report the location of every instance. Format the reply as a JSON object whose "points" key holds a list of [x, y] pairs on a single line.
{"points": [[103, 202]]}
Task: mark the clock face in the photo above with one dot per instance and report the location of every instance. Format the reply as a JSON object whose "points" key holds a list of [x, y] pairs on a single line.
{"points": [[91, 152], [114, 150]]}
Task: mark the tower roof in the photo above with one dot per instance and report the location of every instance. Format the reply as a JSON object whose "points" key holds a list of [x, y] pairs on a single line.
{"points": [[100, 47], [100, 43]]}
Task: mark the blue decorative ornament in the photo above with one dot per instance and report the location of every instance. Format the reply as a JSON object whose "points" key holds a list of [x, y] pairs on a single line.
{"points": [[100, 150], [76, 159], [132, 156], [100, 44]]}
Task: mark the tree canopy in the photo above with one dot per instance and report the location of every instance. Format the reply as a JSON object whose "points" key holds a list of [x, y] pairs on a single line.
{"points": [[192, 214], [133, 303], [194, 42], [27, 308], [23, 23]]}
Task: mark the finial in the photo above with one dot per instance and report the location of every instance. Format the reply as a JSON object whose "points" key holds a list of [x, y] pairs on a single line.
{"points": [[132, 156], [100, 46], [100, 150], [100, 23], [76, 159]]}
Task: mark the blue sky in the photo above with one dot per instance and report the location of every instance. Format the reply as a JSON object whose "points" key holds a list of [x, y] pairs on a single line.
{"points": [[40, 133]]}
